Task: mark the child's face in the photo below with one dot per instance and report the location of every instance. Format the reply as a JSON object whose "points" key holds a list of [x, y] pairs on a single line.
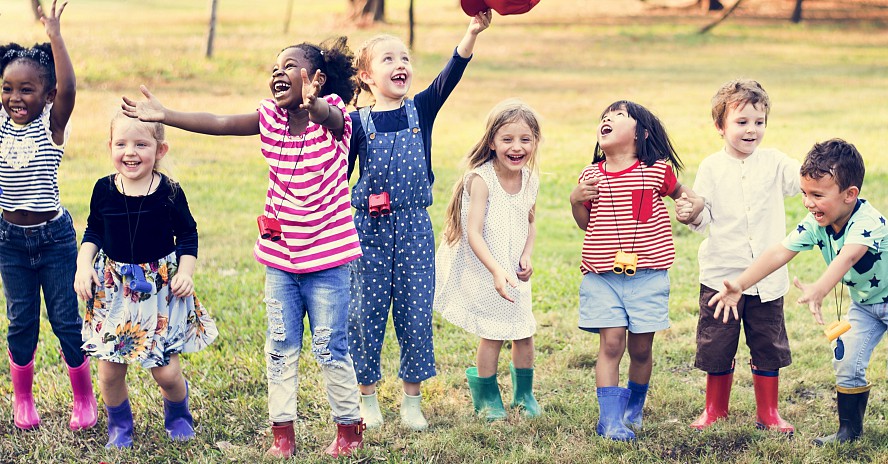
{"points": [[616, 132], [744, 129], [514, 145], [24, 92], [390, 73], [829, 206], [286, 78], [134, 150]]}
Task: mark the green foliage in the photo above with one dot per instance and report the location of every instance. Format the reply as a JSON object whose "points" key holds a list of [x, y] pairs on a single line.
{"points": [[569, 63]]}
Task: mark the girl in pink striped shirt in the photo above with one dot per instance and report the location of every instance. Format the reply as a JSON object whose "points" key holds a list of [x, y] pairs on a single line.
{"points": [[307, 234]]}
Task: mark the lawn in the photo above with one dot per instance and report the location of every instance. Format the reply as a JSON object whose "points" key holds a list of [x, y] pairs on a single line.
{"points": [[568, 62]]}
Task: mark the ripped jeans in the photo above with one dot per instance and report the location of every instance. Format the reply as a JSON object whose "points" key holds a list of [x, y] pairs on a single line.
{"points": [[324, 297]]}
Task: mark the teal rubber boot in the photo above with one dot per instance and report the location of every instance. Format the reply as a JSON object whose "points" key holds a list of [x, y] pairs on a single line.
{"points": [[522, 392], [486, 395]]}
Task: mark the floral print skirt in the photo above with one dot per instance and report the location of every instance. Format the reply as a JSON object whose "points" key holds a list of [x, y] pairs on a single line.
{"points": [[131, 327]]}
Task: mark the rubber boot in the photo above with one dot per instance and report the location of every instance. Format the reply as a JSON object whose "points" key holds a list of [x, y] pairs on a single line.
{"points": [[370, 411], [486, 396], [766, 416], [120, 425], [612, 403], [85, 412], [637, 396], [177, 419], [718, 393], [522, 391], [24, 410], [284, 441], [852, 406], [349, 437], [411, 413]]}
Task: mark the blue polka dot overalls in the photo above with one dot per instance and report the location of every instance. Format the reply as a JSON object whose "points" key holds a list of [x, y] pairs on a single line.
{"points": [[398, 266]]}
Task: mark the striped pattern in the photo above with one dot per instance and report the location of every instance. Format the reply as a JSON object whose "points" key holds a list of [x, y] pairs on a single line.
{"points": [[614, 219], [29, 165], [308, 193]]}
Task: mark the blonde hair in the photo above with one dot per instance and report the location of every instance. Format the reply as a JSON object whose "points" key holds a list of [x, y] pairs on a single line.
{"points": [[157, 131], [737, 93], [505, 112], [364, 59]]}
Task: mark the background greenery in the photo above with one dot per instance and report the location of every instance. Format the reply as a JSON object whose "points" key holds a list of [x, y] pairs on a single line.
{"points": [[567, 60]]}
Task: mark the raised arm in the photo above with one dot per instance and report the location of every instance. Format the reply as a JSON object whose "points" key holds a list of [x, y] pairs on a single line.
{"points": [[478, 23], [66, 83], [319, 110], [204, 123]]}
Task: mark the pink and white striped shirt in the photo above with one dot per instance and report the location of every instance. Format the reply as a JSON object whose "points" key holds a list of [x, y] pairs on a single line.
{"points": [[307, 192], [629, 215]]}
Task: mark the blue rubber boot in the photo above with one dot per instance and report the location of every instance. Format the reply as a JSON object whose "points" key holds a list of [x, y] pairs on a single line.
{"points": [[522, 391], [612, 403], [637, 395], [177, 419], [120, 425], [486, 396]]}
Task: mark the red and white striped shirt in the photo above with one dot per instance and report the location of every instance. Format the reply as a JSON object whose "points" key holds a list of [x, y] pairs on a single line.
{"points": [[629, 215], [307, 192]]}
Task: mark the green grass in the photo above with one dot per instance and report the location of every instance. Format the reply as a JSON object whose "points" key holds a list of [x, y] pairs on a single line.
{"points": [[568, 62]]}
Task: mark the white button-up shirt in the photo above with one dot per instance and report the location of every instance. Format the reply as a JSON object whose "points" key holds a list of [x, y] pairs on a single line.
{"points": [[745, 214]]}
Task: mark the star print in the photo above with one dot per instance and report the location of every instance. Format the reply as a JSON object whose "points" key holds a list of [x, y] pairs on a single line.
{"points": [[820, 244], [866, 233], [882, 219], [800, 228], [874, 282]]}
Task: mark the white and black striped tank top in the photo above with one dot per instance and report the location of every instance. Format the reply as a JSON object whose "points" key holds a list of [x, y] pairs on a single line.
{"points": [[29, 164]]}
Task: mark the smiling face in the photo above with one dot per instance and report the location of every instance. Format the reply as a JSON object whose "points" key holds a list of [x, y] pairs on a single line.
{"points": [[744, 129], [390, 73], [24, 93], [286, 78], [514, 145], [616, 132], [134, 149], [830, 206]]}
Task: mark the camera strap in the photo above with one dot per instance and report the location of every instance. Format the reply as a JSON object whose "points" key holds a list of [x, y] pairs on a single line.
{"points": [[129, 229], [614, 208], [277, 166], [371, 133]]}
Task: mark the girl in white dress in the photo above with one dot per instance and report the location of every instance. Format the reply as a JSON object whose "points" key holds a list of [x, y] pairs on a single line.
{"points": [[483, 266]]}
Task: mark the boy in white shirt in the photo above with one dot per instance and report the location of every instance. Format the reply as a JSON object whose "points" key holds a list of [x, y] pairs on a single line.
{"points": [[744, 187]]}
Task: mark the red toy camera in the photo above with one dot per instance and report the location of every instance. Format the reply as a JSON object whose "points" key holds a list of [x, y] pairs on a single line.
{"points": [[269, 228], [379, 204]]}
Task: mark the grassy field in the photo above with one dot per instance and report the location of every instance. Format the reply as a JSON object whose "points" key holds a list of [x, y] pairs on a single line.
{"points": [[567, 61]]}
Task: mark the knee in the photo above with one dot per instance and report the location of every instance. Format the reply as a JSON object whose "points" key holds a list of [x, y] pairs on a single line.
{"points": [[328, 347], [612, 349], [640, 354], [167, 377]]}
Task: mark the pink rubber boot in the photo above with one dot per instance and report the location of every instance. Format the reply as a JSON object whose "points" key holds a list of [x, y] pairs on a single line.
{"points": [[25, 412], [85, 411]]}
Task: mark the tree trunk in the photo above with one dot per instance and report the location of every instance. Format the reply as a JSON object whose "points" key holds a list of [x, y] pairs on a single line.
{"points": [[797, 12], [365, 12], [718, 21], [410, 23], [34, 5], [711, 5], [211, 35]]}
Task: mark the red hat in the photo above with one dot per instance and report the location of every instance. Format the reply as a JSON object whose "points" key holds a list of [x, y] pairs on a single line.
{"points": [[503, 7]]}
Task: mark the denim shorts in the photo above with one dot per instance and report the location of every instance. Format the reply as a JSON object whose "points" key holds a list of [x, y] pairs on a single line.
{"points": [[639, 303]]}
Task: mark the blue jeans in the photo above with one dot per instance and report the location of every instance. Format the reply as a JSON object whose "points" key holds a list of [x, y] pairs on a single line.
{"points": [[39, 258], [868, 325], [324, 297]]}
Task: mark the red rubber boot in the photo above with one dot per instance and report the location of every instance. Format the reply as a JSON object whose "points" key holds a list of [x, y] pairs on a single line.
{"points": [[718, 393], [766, 415], [349, 437], [284, 441]]}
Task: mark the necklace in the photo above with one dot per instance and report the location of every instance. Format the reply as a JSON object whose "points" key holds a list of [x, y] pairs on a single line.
{"points": [[277, 168], [133, 233], [614, 207]]}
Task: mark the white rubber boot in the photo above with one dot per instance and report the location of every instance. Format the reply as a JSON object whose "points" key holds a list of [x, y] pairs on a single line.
{"points": [[411, 413], [370, 411]]}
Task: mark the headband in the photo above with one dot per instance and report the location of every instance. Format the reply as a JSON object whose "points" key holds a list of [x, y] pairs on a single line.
{"points": [[34, 54]]}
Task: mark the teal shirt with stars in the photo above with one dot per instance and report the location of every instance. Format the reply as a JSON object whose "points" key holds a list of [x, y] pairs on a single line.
{"points": [[867, 280]]}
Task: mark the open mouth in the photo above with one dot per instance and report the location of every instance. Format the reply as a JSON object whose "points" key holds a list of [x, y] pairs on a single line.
{"points": [[18, 111], [606, 129], [132, 164], [515, 158], [400, 78], [280, 88]]}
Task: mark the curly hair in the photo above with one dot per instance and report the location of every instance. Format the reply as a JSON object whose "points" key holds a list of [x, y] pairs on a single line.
{"points": [[738, 93], [39, 56], [333, 58], [835, 158]]}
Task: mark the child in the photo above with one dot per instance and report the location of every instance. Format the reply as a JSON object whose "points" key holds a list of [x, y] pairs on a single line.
{"points": [[140, 236], [484, 267], [627, 251], [851, 236], [393, 140], [307, 236], [39, 245], [744, 186]]}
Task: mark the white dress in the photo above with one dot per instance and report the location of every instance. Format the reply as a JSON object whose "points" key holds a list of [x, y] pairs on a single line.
{"points": [[464, 291]]}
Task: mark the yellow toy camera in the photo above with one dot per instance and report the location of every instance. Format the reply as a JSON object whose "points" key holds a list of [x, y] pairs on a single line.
{"points": [[625, 262], [837, 328]]}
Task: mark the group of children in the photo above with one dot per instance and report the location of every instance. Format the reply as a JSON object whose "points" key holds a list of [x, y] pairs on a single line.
{"points": [[344, 270]]}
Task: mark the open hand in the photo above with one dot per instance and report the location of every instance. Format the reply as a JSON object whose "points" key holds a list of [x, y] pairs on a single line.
{"points": [[502, 281], [726, 299], [52, 20], [150, 110], [311, 89], [811, 297]]}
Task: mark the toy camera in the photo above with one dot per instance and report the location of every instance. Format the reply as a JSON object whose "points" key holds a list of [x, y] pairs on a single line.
{"points": [[837, 328], [269, 228], [379, 204], [625, 262], [137, 281]]}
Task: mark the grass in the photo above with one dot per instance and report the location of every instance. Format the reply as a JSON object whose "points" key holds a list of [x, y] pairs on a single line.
{"points": [[569, 62]]}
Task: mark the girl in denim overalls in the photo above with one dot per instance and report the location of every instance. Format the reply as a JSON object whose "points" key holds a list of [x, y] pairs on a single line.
{"points": [[392, 138]]}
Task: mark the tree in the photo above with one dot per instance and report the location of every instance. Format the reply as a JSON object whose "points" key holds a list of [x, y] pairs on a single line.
{"points": [[367, 11], [212, 32], [711, 5], [34, 5], [797, 12]]}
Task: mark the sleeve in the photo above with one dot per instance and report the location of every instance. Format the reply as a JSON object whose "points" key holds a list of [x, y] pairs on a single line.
{"points": [[804, 236], [184, 225], [867, 231], [336, 102], [430, 100], [358, 144], [703, 186], [588, 173], [788, 173], [95, 223], [670, 182]]}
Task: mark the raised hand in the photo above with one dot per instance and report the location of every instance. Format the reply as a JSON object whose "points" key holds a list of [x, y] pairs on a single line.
{"points": [[812, 297], [311, 89], [726, 299], [585, 192], [150, 110], [480, 21], [52, 21]]}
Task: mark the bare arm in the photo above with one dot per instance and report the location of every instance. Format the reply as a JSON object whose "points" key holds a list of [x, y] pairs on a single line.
{"points": [[525, 267], [475, 230], [771, 260], [319, 110], [66, 83], [813, 294], [478, 23], [585, 192], [203, 123]]}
